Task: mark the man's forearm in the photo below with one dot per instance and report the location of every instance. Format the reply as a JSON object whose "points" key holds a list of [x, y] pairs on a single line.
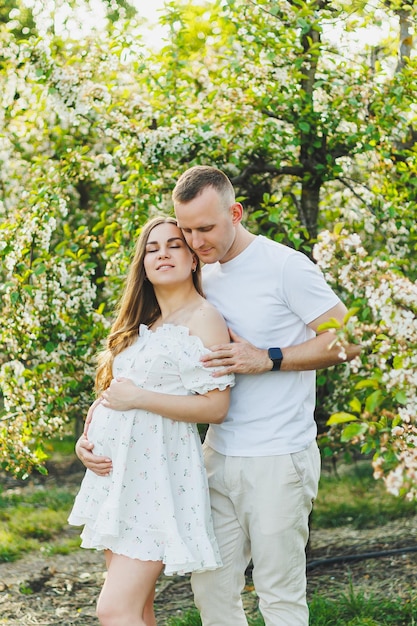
{"points": [[317, 353]]}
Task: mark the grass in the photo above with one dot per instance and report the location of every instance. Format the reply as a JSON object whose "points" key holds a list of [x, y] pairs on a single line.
{"points": [[192, 618], [360, 610], [36, 520], [351, 498], [61, 449], [354, 498], [348, 610]]}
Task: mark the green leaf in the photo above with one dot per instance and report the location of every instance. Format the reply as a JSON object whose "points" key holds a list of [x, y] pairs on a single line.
{"points": [[304, 126], [331, 323], [355, 405], [398, 362], [353, 430], [401, 397], [373, 401], [340, 418], [396, 421], [367, 382], [367, 447], [327, 451], [350, 313], [40, 269]]}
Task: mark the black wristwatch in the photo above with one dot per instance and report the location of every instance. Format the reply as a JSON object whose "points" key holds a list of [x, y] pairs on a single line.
{"points": [[276, 356]]}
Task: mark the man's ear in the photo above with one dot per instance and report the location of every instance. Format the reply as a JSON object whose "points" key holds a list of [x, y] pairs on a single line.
{"points": [[237, 213]]}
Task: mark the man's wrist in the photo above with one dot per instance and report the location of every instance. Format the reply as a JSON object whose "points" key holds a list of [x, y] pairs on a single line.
{"points": [[276, 356]]}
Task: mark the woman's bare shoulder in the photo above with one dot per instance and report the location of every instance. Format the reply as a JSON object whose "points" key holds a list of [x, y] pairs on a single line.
{"points": [[208, 324]]}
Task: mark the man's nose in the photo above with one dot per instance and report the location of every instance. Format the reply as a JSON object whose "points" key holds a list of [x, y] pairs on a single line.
{"points": [[196, 240]]}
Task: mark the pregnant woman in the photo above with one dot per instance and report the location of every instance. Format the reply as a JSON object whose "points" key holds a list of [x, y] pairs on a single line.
{"points": [[152, 510]]}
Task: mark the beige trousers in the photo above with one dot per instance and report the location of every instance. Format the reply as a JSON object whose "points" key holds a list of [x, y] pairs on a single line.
{"points": [[260, 509]]}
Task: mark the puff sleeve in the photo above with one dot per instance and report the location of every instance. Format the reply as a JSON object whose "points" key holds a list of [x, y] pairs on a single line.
{"points": [[195, 377]]}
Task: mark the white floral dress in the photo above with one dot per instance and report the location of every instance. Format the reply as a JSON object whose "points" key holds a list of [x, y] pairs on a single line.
{"points": [[154, 505]]}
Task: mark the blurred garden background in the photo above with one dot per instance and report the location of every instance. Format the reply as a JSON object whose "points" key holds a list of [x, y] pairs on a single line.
{"points": [[310, 107]]}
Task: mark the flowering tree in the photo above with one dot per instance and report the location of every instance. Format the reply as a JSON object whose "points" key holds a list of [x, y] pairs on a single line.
{"points": [[320, 146], [379, 391], [312, 139]]}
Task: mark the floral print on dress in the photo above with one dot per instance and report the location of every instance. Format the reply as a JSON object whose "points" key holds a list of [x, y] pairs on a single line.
{"points": [[155, 503]]}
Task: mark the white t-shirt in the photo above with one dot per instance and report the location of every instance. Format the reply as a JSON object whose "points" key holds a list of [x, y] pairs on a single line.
{"points": [[267, 295]]}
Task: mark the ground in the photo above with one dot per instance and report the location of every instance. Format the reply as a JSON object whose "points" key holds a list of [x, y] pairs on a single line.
{"points": [[65, 587]]}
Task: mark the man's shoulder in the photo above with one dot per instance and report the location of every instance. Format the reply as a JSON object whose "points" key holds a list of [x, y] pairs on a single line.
{"points": [[263, 252], [277, 249]]}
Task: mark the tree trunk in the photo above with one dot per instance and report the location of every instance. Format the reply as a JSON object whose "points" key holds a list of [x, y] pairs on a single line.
{"points": [[309, 206]]}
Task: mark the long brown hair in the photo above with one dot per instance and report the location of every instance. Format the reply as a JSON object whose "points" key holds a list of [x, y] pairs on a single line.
{"points": [[137, 305]]}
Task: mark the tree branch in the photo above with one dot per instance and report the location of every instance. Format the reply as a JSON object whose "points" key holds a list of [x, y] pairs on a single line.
{"points": [[355, 193], [265, 168]]}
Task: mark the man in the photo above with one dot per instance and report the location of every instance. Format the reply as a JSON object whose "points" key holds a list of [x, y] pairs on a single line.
{"points": [[262, 462]]}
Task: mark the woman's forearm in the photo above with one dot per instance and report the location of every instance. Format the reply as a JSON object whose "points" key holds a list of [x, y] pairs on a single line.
{"points": [[207, 408]]}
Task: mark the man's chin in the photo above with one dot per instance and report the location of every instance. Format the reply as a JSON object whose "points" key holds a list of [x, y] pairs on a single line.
{"points": [[210, 257]]}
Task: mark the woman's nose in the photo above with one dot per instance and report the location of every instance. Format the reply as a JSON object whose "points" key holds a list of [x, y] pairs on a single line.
{"points": [[163, 252]]}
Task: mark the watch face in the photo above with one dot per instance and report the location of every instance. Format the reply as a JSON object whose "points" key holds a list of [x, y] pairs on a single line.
{"points": [[275, 354]]}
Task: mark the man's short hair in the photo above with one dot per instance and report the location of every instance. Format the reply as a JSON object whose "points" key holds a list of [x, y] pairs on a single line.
{"points": [[194, 180]]}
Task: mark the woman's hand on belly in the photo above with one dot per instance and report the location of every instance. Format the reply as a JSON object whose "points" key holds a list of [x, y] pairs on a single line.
{"points": [[100, 465], [121, 395]]}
